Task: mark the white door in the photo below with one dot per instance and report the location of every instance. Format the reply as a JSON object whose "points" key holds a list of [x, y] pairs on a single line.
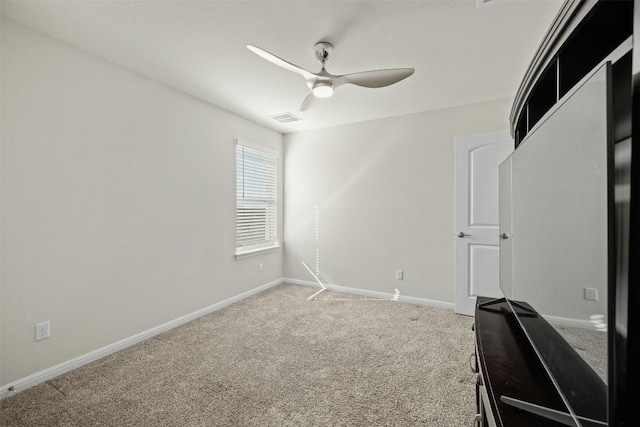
{"points": [[476, 233]]}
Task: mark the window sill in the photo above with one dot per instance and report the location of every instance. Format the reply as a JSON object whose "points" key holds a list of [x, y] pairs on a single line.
{"points": [[245, 253]]}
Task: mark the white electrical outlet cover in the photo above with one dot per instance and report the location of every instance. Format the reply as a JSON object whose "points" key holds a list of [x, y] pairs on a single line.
{"points": [[43, 330]]}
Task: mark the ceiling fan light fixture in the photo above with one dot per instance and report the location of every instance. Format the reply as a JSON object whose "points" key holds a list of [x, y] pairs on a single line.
{"points": [[322, 89]]}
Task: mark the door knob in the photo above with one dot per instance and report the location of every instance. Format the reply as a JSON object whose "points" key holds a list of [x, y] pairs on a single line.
{"points": [[461, 235], [504, 236]]}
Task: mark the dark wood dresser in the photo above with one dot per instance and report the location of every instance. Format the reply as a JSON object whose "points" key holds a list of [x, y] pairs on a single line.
{"points": [[507, 366]]}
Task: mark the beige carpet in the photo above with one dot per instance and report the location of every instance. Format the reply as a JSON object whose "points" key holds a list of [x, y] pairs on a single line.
{"points": [[274, 359]]}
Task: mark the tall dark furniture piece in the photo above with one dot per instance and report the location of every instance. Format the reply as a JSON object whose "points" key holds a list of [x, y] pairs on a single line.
{"points": [[569, 226]]}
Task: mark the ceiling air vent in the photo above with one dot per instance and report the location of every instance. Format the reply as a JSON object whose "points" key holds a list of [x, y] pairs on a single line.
{"points": [[285, 118]]}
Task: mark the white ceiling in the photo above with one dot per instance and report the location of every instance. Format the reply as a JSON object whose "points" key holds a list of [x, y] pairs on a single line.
{"points": [[462, 53]]}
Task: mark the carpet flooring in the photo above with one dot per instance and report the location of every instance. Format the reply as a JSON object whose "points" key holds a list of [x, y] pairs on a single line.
{"points": [[274, 359]]}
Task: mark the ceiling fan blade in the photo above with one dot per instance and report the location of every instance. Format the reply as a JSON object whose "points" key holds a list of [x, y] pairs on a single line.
{"points": [[280, 62], [308, 102], [376, 78]]}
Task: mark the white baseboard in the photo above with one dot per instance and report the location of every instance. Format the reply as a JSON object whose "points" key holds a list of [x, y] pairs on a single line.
{"points": [[54, 371], [572, 323], [374, 294]]}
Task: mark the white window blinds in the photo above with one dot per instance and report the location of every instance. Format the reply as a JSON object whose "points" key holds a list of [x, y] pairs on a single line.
{"points": [[256, 197]]}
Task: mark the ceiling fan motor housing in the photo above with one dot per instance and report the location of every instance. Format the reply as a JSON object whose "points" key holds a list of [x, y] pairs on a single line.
{"points": [[323, 51]]}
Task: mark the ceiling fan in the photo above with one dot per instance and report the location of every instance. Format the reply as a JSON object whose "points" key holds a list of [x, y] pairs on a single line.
{"points": [[323, 83]]}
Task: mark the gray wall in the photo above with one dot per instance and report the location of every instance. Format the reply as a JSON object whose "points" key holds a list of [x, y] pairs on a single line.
{"points": [[384, 196], [118, 203]]}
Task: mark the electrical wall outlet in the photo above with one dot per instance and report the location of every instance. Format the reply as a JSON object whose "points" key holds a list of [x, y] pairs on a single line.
{"points": [[399, 275], [591, 294], [261, 267], [43, 330]]}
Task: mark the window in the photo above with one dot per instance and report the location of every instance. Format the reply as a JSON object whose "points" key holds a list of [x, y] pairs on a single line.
{"points": [[256, 199]]}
